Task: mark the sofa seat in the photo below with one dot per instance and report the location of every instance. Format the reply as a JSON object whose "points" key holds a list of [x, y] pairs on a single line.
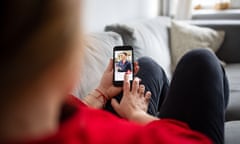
{"points": [[232, 131], [152, 38], [233, 110], [232, 126]]}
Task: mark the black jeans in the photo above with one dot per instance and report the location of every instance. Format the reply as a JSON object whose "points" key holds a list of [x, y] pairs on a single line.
{"points": [[198, 93]]}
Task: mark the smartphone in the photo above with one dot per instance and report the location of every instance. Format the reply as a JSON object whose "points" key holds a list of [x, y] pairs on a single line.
{"points": [[122, 64]]}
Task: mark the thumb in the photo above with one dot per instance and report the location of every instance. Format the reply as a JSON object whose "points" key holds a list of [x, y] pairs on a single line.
{"points": [[115, 105], [110, 65]]}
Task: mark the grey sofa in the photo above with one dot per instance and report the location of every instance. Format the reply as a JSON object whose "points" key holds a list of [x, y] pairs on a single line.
{"points": [[230, 53], [151, 38]]}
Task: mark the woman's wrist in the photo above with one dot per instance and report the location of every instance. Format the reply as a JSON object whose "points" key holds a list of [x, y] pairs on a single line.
{"points": [[103, 91], [142, 117], [96, 99]]}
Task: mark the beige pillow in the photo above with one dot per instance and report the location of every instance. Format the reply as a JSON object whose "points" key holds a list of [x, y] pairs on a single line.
{"points": [[186, 37]]}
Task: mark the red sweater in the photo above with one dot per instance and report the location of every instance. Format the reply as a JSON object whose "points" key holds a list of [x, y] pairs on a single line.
{"points": [[90, 126]]}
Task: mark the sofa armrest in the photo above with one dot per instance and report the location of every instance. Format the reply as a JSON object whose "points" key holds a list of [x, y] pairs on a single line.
{"points": [[230, 49]]}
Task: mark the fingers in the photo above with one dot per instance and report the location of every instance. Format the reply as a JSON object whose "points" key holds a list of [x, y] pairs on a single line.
{"points": [[110, 65], [148, 97], [126, 85], [141, 90], [135, 85]]}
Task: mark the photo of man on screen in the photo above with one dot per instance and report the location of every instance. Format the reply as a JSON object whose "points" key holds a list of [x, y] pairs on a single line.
{"points": [[124, 65]]}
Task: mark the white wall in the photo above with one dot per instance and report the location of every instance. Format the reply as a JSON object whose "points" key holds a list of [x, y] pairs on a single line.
{"points": [[98, 13]]}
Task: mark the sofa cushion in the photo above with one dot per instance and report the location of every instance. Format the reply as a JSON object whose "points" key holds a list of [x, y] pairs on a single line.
{"points": [[186, 37], [148, 38], [98, 51], [233, 110], [229, 51], [232, 132]]}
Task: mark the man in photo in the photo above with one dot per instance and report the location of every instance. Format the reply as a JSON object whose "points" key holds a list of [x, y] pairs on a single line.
{"points": [[124, 65]]}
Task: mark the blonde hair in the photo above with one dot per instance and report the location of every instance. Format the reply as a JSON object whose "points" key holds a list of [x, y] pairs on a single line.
{"points": [[34, 35]]}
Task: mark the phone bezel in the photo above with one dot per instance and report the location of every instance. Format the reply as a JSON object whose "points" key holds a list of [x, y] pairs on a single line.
{"points": [[121, 48]]}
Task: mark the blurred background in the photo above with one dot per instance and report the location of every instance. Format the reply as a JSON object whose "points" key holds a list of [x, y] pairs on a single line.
{"points": [[99, 13]]}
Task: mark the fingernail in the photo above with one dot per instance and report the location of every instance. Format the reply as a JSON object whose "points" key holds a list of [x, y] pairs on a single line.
{"points": [[126, 77], [137, 78]]}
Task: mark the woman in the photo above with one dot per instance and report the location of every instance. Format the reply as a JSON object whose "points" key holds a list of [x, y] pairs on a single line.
{"points": [[40, 57]]}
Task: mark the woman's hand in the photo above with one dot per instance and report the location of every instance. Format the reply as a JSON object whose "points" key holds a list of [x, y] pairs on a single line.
{"points": [[106, 85], [134, 103]]}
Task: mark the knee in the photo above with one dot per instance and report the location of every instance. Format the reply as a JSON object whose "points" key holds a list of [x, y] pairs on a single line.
{"points": [[202, 54], [151, 72], [142, 61], [145, 59], [150, 67], [148, 62], [200, 57]]}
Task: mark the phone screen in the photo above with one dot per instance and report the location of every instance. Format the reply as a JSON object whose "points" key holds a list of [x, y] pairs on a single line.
{"points": [[123, 64]]}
